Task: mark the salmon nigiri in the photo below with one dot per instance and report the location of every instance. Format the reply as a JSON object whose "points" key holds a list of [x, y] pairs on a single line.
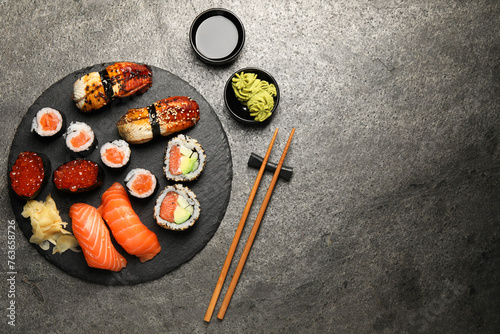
{"points": [[126, 225], [93, 236]]}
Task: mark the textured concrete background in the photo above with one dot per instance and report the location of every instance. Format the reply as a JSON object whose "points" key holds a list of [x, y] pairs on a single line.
{"points": [[391, 221]]}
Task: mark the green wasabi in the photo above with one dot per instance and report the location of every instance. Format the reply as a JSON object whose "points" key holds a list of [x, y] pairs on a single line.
{"points": [[256, 94]]}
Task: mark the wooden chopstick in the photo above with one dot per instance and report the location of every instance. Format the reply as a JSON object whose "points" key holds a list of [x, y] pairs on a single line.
{"points": [[237, 235], [253, 233]]}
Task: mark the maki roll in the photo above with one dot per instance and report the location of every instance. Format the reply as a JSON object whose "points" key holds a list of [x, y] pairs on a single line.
{"points": [[140, 183], [115, 154], [48, 123], [78, 176], [80, 138], [177, 208], [184, 159], [29, 174]]}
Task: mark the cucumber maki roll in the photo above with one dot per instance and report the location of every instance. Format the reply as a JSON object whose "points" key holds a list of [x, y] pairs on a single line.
{"points": [[177, 208], [184, 159]]}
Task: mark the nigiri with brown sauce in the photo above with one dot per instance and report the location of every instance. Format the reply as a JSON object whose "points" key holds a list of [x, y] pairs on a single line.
{"points": [[163, 118], [96, 89]]}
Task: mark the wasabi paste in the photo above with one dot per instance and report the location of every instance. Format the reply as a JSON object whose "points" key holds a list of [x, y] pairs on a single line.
{"points": [[256, 94]]}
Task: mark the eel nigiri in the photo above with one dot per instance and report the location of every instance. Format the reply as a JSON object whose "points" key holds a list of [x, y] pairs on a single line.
{"points": [[96, 89], [163, 118], [126, 225], [94, 238]]}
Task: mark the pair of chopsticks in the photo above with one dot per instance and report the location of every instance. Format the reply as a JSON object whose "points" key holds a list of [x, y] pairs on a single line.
{"points": [[253, 233]]}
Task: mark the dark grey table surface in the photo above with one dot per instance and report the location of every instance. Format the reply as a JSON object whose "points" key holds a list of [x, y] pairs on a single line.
{"points": [[390, 223]]}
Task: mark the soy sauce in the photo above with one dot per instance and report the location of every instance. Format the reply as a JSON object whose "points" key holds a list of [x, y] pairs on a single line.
{"points": [[216, 37]]}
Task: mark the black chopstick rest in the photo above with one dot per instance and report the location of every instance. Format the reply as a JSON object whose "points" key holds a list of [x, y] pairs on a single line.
{"points": [[255, 161]]}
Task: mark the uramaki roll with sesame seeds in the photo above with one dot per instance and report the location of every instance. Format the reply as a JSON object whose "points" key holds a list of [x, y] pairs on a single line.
{"points": [[162, 118], [177, 208], [184, 159]]}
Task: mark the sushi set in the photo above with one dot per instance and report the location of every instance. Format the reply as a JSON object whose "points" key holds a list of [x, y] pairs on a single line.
{"points": [[115, 148]]}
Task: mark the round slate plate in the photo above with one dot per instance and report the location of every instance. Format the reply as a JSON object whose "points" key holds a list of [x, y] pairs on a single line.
{"points": [[213, 188]]}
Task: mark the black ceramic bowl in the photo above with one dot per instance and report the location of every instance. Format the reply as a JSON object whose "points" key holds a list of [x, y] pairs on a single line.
{"points": [[217, 36], [240, 111]]}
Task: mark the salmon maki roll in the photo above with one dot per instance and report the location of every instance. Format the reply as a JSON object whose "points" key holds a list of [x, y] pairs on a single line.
{"points": [[116, 154], [48, 123], [141, 183], [80, 139], [94, 238], [126, 225]]}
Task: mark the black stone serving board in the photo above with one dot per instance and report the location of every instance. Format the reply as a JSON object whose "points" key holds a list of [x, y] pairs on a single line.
{"points": [[213, 188]]}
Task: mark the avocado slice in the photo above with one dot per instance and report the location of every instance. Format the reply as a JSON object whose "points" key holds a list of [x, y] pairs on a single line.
{"points": [[181, 215], [183, 210], [188, 164]]}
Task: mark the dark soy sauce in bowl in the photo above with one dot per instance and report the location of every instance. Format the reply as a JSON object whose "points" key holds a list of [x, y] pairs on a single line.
{"points": [[217, 36]]}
